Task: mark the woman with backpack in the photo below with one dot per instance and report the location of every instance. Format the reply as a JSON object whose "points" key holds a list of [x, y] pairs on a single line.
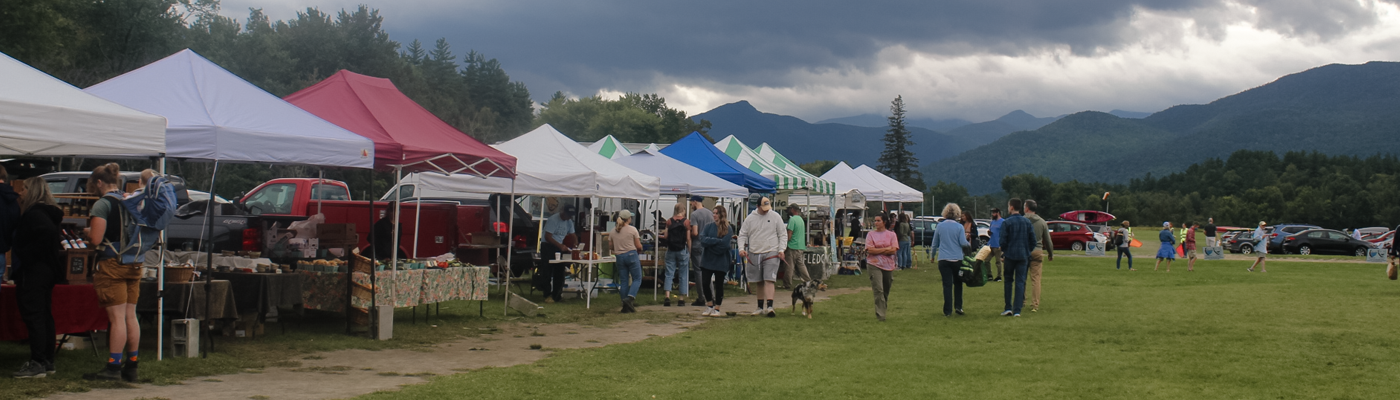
{"points": [[118, 285], [38, 267], [1123, 240], [677, 237]]}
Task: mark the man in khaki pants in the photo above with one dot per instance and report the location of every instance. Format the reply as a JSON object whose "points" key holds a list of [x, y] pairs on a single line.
{"points": [[1044, 251]]}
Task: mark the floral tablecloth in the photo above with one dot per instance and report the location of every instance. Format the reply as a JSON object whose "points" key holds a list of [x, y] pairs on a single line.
{"points": [[403, 288]]}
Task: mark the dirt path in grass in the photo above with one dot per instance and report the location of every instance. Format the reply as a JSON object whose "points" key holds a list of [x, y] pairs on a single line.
{"points": [[350, 373]]}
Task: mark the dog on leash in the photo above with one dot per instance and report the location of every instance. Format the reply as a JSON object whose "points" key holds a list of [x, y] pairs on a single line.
{"points": [[807, 293]]}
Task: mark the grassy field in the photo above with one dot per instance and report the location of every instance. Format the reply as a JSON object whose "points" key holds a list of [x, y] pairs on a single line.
{"points": [[1303, 330]]}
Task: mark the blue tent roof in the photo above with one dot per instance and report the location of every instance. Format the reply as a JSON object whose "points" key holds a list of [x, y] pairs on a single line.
{"points": [[697, 151]]}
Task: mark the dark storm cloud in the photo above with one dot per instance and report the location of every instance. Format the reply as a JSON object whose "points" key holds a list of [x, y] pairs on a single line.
{"points": [[581, 46]]}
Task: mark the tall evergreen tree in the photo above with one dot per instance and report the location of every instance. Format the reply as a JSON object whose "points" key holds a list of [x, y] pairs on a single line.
{"points": [[897, 161]]}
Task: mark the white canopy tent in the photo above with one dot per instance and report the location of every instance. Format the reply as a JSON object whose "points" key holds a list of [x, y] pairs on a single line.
{"points": [[848, 179], [215, 115], [681, 178], [43, 116], [550, 164], [896, 191]]}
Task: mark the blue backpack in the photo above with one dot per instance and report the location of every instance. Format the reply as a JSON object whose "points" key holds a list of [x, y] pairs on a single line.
{"points": [[143, 217]]}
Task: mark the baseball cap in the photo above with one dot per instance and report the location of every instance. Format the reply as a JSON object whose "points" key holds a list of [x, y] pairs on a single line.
{"points": [[765, 204], [624, 214], [697, 198], [570, 208], [1165, 224]]}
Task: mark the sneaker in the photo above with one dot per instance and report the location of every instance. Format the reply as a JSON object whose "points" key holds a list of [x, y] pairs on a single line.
{"points": [[667, 303], [1035, 309], [1016, 315], [48, 367], [1006, 313], [31, 369], [708, 312], [109, 372], [697, 303], [129, 371], [771, 314], [960, 311], [549, 300], [758, 312]]}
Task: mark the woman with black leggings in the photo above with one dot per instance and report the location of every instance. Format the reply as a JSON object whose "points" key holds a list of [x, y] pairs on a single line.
{"points": [[39, 266], [714, 267]]}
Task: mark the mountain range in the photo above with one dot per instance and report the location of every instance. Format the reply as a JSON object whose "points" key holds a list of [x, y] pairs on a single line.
{"points": [[1333, 109], [804, 142]]}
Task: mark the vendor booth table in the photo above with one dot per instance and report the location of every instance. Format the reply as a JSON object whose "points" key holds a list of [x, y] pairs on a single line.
{"points": [[402, 288], [75, 311], [588, 280], [263, 292]]}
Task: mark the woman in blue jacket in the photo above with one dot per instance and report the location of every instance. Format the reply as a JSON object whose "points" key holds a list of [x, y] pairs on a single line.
{"points": [[1168, 250], [714, 266]]}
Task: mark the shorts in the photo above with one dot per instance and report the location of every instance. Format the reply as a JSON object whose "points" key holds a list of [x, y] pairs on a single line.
{"points": [[762, 267], [116, 284], [1191, 253]]}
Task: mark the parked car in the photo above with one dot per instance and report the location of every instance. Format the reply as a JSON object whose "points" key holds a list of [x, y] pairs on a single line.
{"points": [[1072, 235], [1325, 241], [1240, 242], [1283, 231], [923, 228]]}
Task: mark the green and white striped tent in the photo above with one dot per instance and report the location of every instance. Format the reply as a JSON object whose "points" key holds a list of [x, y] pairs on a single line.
{"points": [[783, 174], [610, 148], [772, 155]]}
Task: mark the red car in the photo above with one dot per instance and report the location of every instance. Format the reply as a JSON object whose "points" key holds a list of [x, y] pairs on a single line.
{"points": [[1071, 235]]}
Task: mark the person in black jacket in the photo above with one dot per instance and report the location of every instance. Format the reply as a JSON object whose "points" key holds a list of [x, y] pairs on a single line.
{"points": [[9, 215], [39, 266]]}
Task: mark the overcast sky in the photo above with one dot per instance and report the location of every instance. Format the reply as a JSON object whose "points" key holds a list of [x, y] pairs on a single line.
{"points": [[819, 59]]}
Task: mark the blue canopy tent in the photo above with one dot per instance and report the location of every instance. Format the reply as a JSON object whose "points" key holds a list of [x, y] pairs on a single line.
{"points": [[697, 151]]}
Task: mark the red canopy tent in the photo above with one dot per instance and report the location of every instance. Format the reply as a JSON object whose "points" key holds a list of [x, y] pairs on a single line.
{"points": [[406, 136]]}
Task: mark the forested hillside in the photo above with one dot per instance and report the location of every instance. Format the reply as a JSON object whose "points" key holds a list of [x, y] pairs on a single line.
{"points": [[1334, 109]]}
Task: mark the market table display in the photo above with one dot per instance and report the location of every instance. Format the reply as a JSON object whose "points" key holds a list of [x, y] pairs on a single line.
{"points": [[263, 292], [75, 310], [589, 265], [199, 259], [187, 300], [403, 288]]}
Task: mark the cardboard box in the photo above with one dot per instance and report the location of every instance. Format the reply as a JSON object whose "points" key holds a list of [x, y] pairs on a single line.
{"points": [[334, 232], [306, 247]]}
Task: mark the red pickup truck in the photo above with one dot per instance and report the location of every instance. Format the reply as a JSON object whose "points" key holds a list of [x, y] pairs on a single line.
{"points": [[446, 227]]}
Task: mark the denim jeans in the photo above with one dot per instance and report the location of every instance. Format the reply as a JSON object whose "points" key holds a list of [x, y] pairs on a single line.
{"points": [[952, 289], [678, 259], [697, 255], [1017, 270], [904, 258], [1123, 251], [629, 274]]}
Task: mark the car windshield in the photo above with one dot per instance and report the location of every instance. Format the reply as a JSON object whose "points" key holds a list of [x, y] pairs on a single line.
{"points": [[272, 199]]}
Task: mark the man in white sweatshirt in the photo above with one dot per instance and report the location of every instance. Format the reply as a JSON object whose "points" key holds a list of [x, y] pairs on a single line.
{"points": [[762, 239]]}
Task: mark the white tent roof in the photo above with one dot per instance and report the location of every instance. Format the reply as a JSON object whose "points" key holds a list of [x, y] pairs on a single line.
{"points": [[610, 148], [43, 116], [847, 179], [550, 164], [850, 199], [896, 192], [215, 115], [680, 178]]}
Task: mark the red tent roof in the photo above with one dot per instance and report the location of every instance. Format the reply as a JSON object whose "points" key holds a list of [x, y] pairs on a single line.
{"points": [[404, 133]]}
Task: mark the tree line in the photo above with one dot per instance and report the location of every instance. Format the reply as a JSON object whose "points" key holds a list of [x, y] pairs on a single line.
{"points": [[1245, 188], [85, 42]]}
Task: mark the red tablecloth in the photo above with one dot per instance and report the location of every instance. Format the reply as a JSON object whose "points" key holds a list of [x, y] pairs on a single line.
{"points": [[75, 310]]}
